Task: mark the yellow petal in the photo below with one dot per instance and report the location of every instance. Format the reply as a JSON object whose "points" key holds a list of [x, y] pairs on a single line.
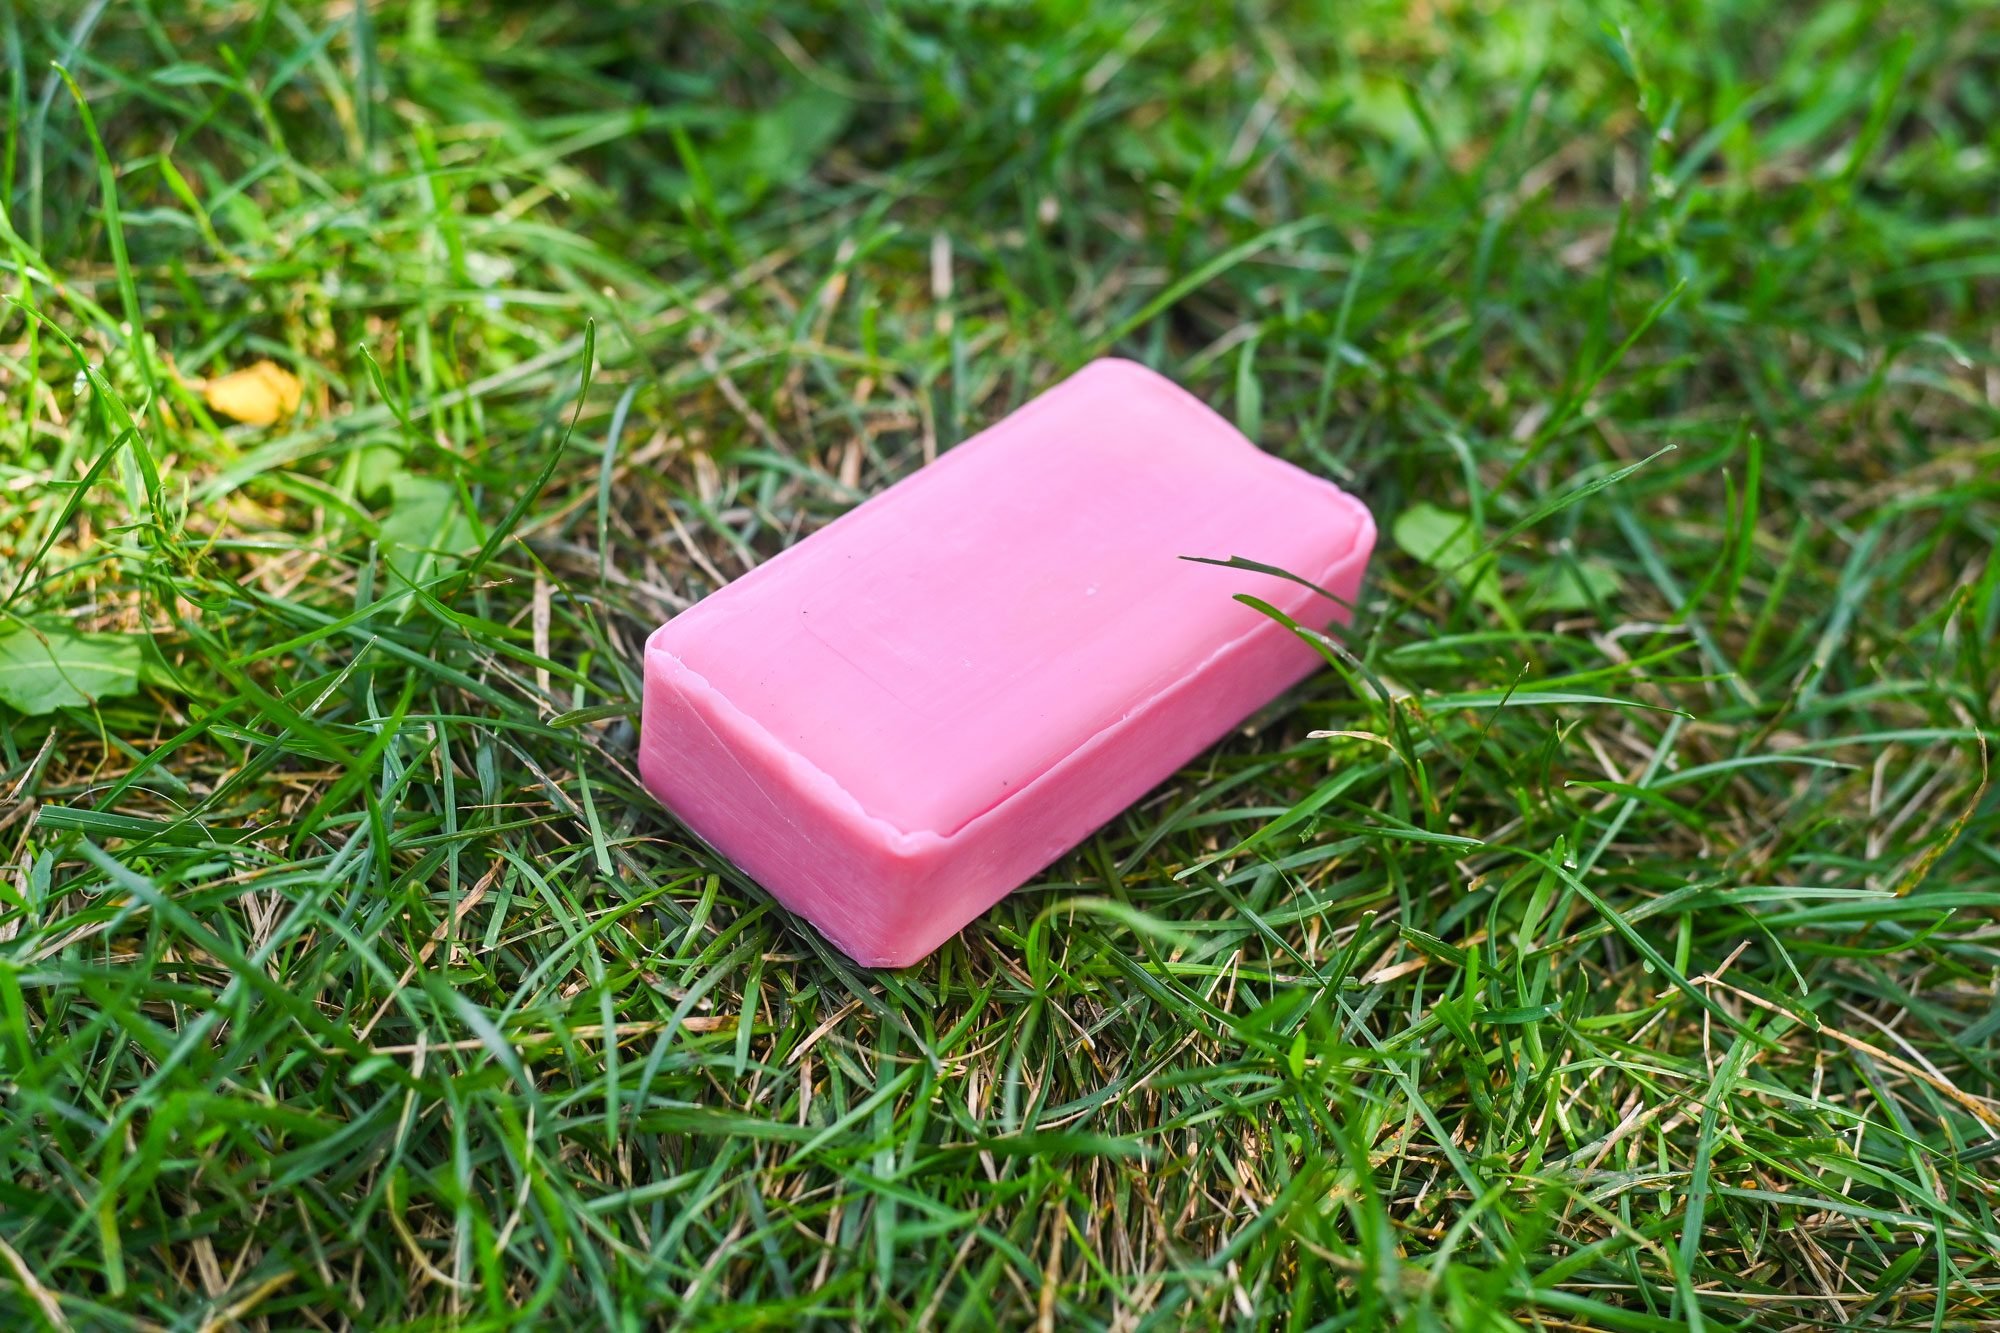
{"points": [[259, 395]]}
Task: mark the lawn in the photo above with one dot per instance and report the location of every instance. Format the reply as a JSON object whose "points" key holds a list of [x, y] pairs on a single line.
{"points": [[1606, 939]]}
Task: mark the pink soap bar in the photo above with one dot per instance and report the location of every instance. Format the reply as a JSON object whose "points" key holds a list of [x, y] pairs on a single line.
{"points": [[914, 710]]}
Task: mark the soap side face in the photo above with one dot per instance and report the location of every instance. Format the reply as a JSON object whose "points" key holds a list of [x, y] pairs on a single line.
{"points": [[890, 810]]}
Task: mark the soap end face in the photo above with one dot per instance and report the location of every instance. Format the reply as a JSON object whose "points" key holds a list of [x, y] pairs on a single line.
{"points": [[874, 891]]}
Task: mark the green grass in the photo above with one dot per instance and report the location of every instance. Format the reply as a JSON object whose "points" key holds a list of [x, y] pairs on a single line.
{"points": [[1608, 940]]}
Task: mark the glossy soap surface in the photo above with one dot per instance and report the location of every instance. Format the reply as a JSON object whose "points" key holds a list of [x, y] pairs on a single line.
{"points": [[908, 678]]}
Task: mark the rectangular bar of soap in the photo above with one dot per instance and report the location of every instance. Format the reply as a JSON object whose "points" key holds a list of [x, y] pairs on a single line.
{"points": [[911, 712]]}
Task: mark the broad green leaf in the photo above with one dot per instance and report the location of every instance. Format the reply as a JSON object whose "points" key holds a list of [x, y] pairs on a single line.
{"points": [[426, 530], [1440, 538], [43, 670], [377, 469], [1572, 585], [787, 141], [776, 147], [1447, 541]]}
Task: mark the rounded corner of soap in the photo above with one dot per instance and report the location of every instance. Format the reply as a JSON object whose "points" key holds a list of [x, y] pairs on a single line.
{"points": [[1113, 372], [894, 958], [656, 645], [1120, 365], [665, 653], [1136, 374], [1365, 531], [1366, 534], [903, 943]]}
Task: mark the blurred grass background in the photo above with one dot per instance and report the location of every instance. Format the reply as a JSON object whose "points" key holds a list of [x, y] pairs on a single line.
{"points": [[1609, 942]]}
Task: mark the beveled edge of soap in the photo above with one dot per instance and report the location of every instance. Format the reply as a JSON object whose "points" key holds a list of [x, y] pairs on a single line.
{"points": [[718, 707]]}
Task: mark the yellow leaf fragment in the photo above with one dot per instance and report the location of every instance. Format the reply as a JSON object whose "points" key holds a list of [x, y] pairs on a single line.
{"points": [[259, 395]]}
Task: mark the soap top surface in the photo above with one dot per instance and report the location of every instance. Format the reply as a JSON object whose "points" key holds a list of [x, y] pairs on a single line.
{"points": [[950, 640]]}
